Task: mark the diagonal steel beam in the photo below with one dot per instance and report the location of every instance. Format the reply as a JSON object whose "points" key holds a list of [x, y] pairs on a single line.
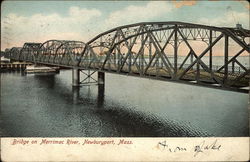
{"points": [[162, 48], [150, 62], [129, 46], [200, 56], [232, 59], [140, 50], [135, 63], [175, 51], [243, 67], [94, 57], [237, 40], [160, 54], [110, 49], [186, 58]]}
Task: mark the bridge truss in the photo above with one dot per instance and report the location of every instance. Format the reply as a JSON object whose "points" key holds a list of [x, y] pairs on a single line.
{"points": [[175, 51]]}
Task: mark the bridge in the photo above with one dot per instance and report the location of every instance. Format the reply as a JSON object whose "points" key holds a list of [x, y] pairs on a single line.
{"points": [[152, 50]]}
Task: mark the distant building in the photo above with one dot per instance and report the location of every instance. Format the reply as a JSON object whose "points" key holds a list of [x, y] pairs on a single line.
{"points": [[2, 53]]}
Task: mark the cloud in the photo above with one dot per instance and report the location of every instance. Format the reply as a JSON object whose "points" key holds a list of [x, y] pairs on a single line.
{"points": [[84, 23], [179, 4], [84, 14], [79, 23], [34, 28], [133, 14]]}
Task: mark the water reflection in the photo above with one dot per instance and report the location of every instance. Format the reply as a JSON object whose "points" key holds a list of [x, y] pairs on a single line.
{"points": [[45, 80], [75, 94], [87, 94], [119, 121], [100, 96]]}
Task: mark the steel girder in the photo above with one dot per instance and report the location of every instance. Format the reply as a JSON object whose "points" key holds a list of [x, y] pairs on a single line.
{"points": [[141, 49]]}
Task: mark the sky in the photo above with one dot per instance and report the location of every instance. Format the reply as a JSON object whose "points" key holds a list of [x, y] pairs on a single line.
{"points": [[38, 21]]}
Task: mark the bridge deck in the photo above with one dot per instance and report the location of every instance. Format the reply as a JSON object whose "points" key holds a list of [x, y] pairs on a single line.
{"points": [[161, 73]]}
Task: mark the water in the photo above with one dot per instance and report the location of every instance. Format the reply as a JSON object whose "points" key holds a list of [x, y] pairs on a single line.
{"points": [[48, 106]]}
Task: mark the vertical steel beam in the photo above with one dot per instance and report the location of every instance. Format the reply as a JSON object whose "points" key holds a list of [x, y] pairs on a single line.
{"points": [[115, 53], [198, 72], [191, 58], [109, 62], [75, 77], [119, 52], [141, 56], [101, 77], [175, 52], [226, 58], [211, 50], [233, 62], [150, 49], [157, 64], [89, 75], [129, 61]]}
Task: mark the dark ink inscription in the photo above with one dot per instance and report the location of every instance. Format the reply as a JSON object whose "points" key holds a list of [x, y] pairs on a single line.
{"points": [[171, 149], [201, 148]]}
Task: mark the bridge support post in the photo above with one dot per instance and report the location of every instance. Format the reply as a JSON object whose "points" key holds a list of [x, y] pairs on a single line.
{"points": [[211, 51], [75, 77], [175, 52], [226, 60], [75, 94], [101, 77]]}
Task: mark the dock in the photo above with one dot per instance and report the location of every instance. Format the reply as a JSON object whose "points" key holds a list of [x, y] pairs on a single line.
{"points": [[14, 65]]}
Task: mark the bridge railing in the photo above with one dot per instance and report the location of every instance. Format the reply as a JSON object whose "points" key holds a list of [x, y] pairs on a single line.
{"points": [[100, 60]]}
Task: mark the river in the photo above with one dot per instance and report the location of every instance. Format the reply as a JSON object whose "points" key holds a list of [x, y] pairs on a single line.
{"points": [[48, 106]]}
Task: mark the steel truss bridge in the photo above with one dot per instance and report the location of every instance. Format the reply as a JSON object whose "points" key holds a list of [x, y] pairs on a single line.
{"points": [[153, 49]]}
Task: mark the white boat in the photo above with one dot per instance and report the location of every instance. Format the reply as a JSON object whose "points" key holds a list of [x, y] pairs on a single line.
{"points": [[41, 69]]}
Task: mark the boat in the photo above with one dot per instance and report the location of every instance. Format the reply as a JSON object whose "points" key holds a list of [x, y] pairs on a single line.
{"points": [[32, 69]]}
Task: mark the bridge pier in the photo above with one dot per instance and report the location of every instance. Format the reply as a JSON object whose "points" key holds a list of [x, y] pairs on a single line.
{"points": [[75, 77], [101, 77]]}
